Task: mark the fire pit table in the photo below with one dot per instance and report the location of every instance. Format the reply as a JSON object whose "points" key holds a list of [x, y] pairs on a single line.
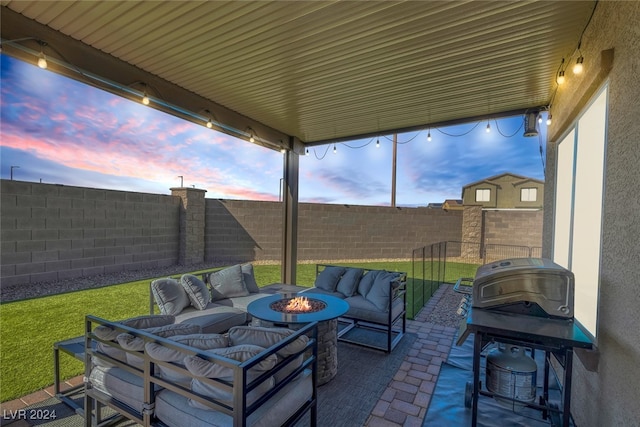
{"points": [[323, 309]]}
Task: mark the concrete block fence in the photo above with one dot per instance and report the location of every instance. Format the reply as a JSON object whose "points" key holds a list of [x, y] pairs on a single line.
{"points": [[53, 232]]}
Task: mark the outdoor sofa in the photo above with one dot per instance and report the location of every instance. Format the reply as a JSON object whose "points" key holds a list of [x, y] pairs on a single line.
{"points": [[376, 298], [158, 373], [214, 301]]}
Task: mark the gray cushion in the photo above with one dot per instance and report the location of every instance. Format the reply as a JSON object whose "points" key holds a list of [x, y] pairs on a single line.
{"points": [[249, 278], [175, 356], [227, 283], [214, 319], [266, 337], [119, 384], [106, 332], [169, 295], [348, 283], [133, 343], [174, 410], [197, 291], [204, 368], [362, 309], [380, 292], [367, 282], [328, 278]]}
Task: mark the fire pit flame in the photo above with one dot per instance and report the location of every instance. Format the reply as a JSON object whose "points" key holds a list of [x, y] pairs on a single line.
{"points": [[298, 304]]}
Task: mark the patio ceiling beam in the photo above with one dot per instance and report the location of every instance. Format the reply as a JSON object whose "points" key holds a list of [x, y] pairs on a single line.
{"points": [[432, 125], [75, 59]]}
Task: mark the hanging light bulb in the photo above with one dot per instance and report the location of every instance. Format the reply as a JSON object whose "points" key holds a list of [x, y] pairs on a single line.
{"points": [[560, 80], [307, 152], [429, 135], [145, 98], [209, 124], [539, 118], [335, 150], [549, 119], [42, 61], [488, 127], [378, 143], [251, 138], [577, 69]]}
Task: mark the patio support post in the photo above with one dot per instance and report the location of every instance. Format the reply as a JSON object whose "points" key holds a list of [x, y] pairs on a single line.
{"points": [[290, 216], [192, 217]]}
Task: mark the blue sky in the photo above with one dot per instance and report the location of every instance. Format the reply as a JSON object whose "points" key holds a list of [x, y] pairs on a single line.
{"points": [[61, 131]]}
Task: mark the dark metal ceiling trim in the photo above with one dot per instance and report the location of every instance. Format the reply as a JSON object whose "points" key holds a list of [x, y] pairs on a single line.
{"points": [[433, 125]]}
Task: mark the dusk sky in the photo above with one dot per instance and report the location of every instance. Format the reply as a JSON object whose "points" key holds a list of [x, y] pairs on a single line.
{"points": [[60, 131]]}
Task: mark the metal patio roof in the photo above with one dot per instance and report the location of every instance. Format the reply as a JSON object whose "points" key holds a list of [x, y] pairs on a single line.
{"points": [[319, 71]]}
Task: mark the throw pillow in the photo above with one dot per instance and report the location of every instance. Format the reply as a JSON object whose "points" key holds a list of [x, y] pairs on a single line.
{"points": [[107, 333], [380, 292], [204, 368], [328, 278], [249, 278], [133, 343], [227, 283], [197, 291], [349, 281], [367, 282], [169, 295], [176, 356], [267, 337]]}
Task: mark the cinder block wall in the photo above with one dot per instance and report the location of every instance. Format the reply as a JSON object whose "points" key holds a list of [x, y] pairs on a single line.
{"points": [[240, 230], [53, 232], [522, 228]]}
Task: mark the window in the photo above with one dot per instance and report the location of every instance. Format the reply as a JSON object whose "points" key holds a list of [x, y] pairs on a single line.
{"points": [[577, 235], [528, 194], [483, 195]]}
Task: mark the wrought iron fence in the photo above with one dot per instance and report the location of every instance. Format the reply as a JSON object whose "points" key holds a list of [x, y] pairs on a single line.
{"points": [[445, 262]]}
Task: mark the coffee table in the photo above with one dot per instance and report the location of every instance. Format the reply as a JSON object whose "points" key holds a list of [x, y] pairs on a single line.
{"points": [[327, 319]]}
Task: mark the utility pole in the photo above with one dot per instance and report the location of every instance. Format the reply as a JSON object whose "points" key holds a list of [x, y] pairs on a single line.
{"points": [[12, 168], [393, 170]]}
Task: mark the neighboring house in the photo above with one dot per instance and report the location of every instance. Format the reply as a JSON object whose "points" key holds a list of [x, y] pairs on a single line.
{"points": [[505, 191], [435, 205], [452, 205]]}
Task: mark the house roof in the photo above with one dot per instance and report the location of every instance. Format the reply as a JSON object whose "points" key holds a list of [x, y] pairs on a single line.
{"points": [[491, 180], [317, 71]]}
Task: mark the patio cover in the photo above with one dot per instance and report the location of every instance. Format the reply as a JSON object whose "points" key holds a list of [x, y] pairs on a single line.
{"points": [[295, 74]]}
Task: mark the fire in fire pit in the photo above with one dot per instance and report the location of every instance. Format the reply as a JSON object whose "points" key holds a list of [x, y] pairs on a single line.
{"points": [[298, 305]]}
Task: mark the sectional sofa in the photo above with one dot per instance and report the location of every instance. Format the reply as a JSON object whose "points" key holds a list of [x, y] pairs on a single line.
{"points": [[158, 373], [377, 300], [218, 301]]}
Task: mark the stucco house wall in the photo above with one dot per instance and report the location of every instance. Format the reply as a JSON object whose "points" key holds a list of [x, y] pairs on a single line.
{"points": [[606, 394]]}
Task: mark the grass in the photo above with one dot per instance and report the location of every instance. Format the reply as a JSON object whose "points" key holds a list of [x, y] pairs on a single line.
{"points": [[30, 327]]}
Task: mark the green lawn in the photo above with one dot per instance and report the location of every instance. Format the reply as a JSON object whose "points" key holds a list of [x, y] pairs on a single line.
{"points": [[30, 327]]}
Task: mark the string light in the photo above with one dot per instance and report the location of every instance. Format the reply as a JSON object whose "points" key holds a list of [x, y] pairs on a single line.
{"points": [[429, 135], [307, 152], [251, 136], [561, 79], [577, 69], [42, 59], [378, 143], [549, 119], [539, 118], [335, 150], [488, 126], [145, 98]]}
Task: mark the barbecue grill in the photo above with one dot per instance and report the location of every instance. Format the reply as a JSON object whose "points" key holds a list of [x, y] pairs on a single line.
{"points": [[525, 303]]}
